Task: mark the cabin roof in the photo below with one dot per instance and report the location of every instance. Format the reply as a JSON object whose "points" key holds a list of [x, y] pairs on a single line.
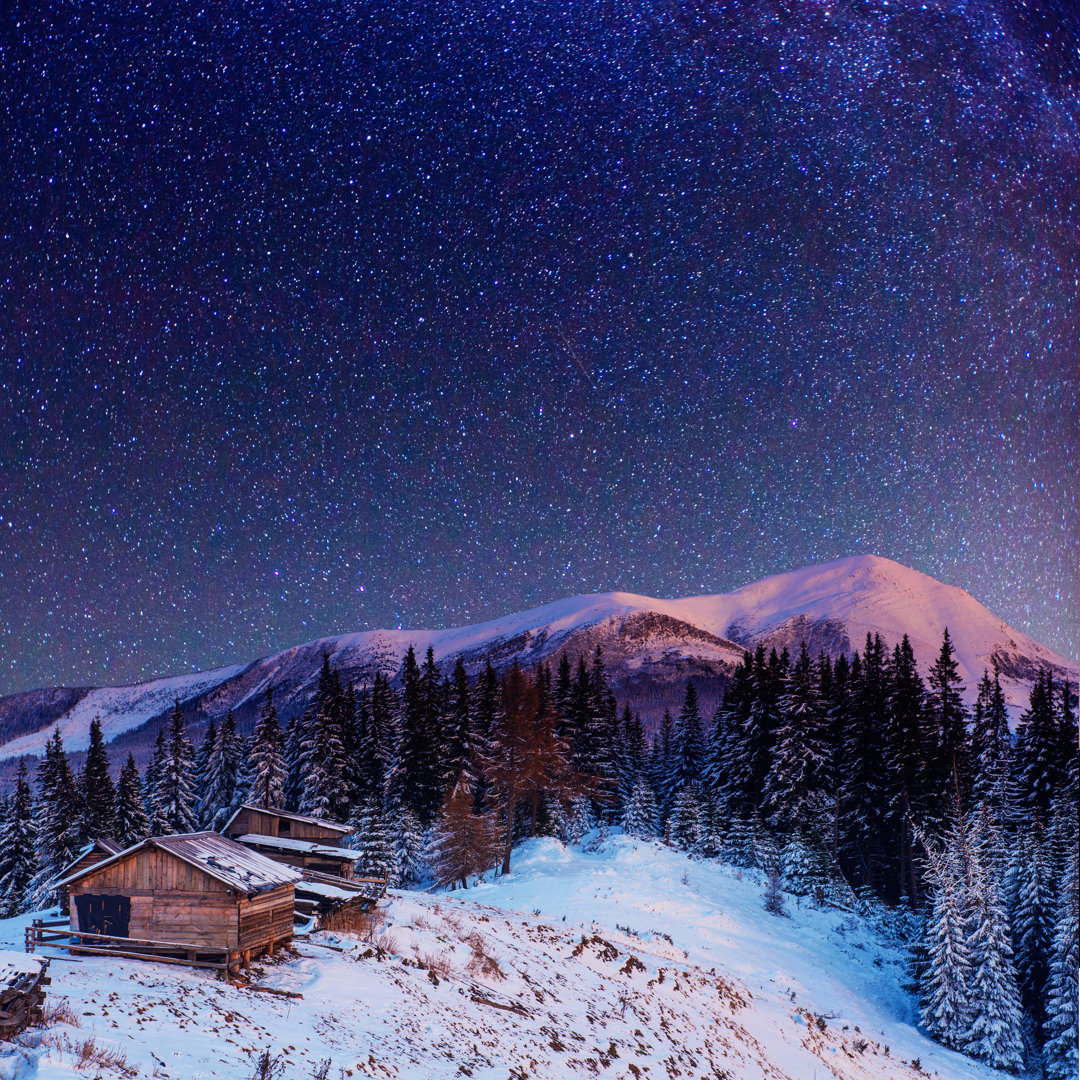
{"points": [[107, 845], [336, 826], [307, 847], [235, 866]]}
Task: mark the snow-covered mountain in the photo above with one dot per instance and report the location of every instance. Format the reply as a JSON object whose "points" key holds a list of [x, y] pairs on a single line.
{"points": [[650, 647], [624, 960]]}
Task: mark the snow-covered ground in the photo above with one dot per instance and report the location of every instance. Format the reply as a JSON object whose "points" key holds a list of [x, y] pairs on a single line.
{"points": [[627, 961]]}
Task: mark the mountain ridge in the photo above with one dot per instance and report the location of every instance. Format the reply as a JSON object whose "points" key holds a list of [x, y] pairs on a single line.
{"points": [[650, 646]]}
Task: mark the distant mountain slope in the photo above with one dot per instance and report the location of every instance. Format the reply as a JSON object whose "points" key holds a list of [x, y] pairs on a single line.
{"points": [[650, 647]]}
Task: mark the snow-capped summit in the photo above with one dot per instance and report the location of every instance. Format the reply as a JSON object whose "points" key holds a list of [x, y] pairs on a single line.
{"points": [[650, 647]]}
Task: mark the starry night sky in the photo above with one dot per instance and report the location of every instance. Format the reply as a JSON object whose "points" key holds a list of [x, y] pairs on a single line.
{"points": [[325, 316]]}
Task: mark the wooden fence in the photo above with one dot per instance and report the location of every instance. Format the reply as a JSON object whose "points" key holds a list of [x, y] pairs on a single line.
{"points": [[58, 934]]}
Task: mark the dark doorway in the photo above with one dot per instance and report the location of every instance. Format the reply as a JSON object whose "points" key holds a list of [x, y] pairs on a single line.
{"points": [[104, 914]]}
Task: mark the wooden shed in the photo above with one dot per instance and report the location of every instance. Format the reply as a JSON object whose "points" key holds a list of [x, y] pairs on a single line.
{"points": [[270, 821], [199, 894], [103, 847], [304, 854]]}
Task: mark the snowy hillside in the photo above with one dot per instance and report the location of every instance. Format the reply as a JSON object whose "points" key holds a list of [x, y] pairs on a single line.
{"points": [[120, 708], [650, 647], [631, 961]]}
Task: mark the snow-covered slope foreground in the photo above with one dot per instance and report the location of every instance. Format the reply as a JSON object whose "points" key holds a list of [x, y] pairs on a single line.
{"points": [[627, 962], [650, 648]]}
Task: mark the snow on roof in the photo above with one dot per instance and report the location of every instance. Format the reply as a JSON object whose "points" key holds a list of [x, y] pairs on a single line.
{"points": [[325, 823], [15, 966], [285, 843], [232, 864]]}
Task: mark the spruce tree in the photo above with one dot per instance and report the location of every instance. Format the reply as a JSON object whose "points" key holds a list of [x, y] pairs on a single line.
{"points": [[18, 849], [947, 980], [419, 767], [409, 850], [685, 826], [175, 797], [1040, 765], [132, 822], [223, 792], [1030, 897], [202, 780], [864, 779], [660, 765], [266, 758], [97, 790], [152, 784], [995, 1032], [991, 748], [726, 762], [1060, 1027], [906, 792], [321, 788], [373, 839], [639, 813], [59, 811], [946, 728], [688, 762], [795, 786]]}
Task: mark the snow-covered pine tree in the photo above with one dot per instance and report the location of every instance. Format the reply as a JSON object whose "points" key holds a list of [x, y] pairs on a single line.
{"points": [[991, 748], [223, 792], [602, 721], [58, 816], [1030, 901], [639, 814], [202, 763], [418, 775], [96, 789], [726, 754], [266, 758], [947, 978], [947, 744], [1060, 1027], [462, 744], [175, 802], [761, 721], [151, 782], [685, 825], [905, 786], [660, 765], [132, 821], [321, 764], [688, 759], [795, 786], [461, 845], [801, 866], [18, 849], [372, 838], [410, 846], [863, 777], [1040, 770], [580, 819], [995, 1032]]}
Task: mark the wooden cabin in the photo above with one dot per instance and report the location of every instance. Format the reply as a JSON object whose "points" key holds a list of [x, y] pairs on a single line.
{"points": [[103, 847], [269, 821], [201, 894]]}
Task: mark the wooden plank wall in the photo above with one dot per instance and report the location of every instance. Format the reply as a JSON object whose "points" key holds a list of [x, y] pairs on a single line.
{"points": [[266, 917]]}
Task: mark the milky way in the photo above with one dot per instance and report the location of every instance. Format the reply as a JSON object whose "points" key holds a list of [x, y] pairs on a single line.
{"points": [[320, 317]]}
